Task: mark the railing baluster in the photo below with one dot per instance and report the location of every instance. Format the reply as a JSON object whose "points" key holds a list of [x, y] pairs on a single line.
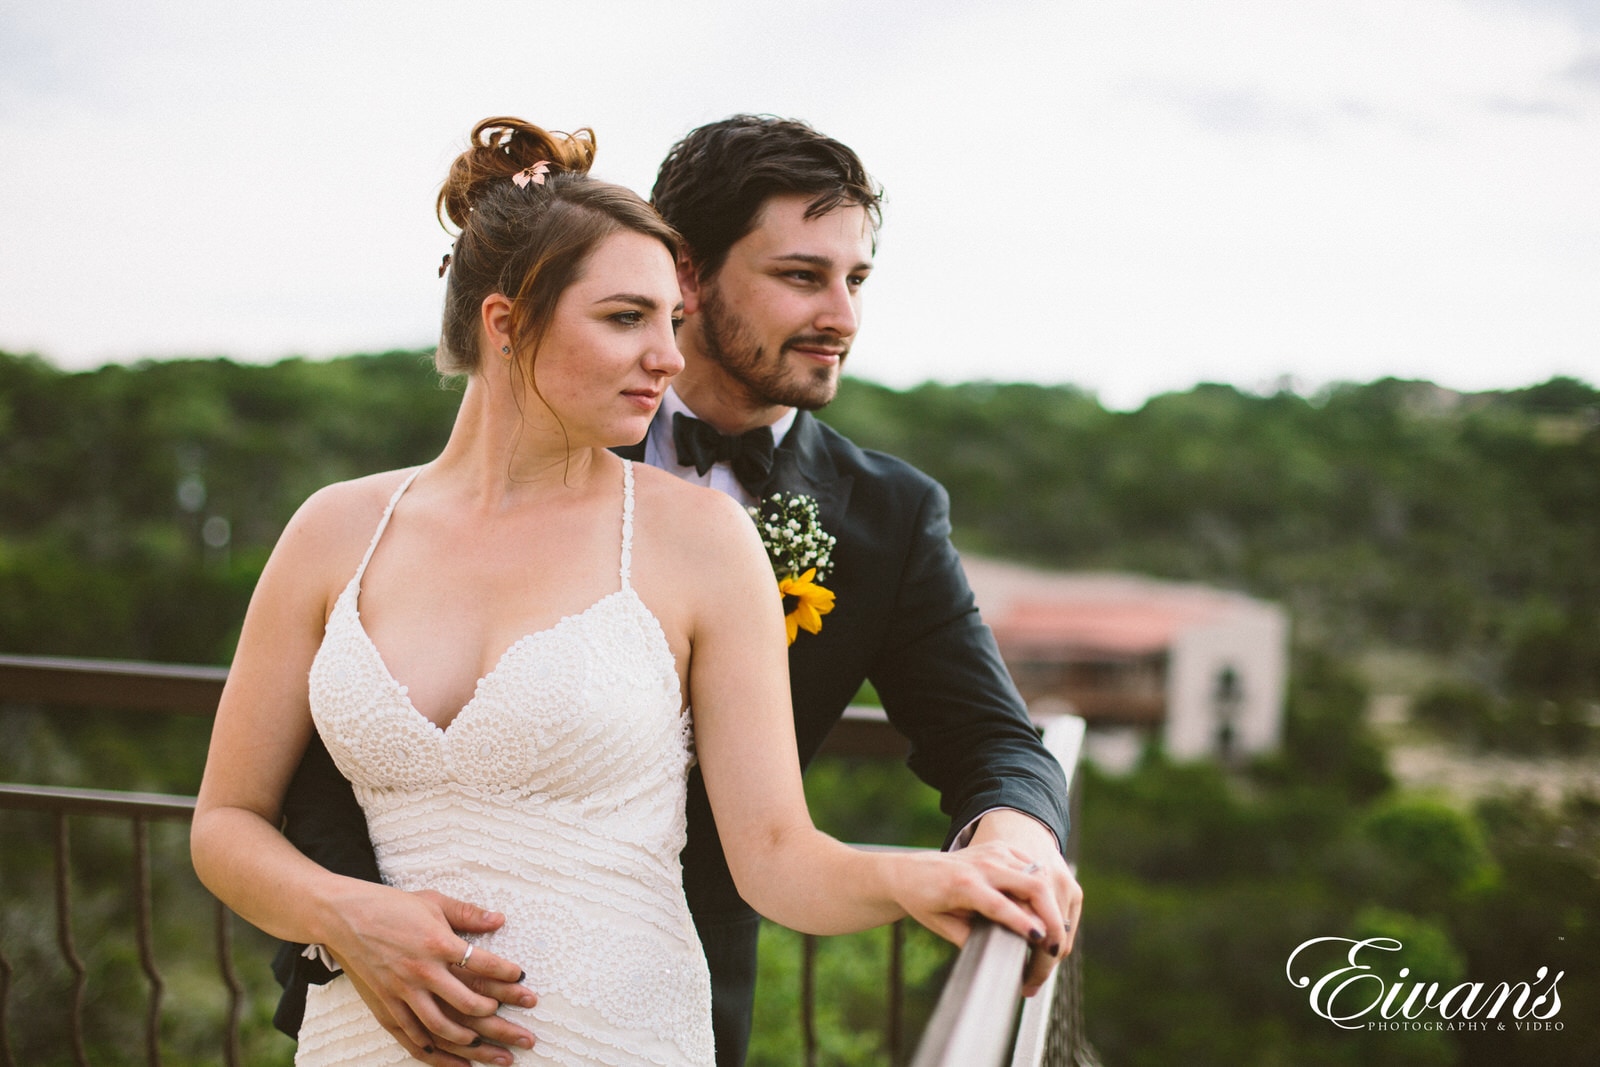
{"points": [[147, 955], [235, 991], [5, 1009], [69, 951], [897, 988], [808, 998]]}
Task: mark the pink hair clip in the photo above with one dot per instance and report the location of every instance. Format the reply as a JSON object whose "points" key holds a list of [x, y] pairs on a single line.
{"points": [[534, 174]]}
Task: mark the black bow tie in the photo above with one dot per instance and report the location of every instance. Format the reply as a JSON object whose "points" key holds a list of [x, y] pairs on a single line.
{"points": [[700, 445]]}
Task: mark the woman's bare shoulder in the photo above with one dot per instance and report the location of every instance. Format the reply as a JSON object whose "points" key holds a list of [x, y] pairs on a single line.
{"points": [[696, 548], [692, 515], [339, 520]]}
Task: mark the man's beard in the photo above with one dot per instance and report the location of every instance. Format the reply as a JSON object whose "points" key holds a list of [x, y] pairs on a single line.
{"points": [[768, 379]]}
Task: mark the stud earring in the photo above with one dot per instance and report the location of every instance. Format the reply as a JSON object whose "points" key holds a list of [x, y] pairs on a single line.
{"points": [[505, 350]]}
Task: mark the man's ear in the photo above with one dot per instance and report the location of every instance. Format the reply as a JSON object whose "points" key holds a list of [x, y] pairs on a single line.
{"points": [[688, 284]]}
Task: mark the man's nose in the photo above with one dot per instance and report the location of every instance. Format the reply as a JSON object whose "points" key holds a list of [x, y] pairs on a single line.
{"points": [[840, 312]]}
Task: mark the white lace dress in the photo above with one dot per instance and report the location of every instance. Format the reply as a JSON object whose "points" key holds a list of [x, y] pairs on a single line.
{"points": [[556, 797]]}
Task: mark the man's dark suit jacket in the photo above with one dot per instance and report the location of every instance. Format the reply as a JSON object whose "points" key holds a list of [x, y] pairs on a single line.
{"points": [[903, 618]]}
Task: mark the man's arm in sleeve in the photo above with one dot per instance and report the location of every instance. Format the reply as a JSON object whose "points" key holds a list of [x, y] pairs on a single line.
{"points": [[945, 687], [322, 819]]}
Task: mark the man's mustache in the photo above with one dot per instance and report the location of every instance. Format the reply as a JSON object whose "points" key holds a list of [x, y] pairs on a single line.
{"points": [[816, 341]]}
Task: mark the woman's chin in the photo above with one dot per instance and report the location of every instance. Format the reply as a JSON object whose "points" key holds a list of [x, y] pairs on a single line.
{"points": [[632, 430]]}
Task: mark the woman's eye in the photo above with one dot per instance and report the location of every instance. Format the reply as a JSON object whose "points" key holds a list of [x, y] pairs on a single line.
{"points": [[628, 318]]}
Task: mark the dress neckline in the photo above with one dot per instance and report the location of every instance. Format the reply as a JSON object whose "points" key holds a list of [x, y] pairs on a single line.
{"points": [[352, 597]]}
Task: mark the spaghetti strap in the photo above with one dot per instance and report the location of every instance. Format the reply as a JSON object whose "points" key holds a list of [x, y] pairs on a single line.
{"points": [[383, 524], [627, 523]]}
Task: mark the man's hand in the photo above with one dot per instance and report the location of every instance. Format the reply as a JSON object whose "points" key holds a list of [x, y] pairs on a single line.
{"points": [[444, 1054], [402, 953], [1033, 839]]}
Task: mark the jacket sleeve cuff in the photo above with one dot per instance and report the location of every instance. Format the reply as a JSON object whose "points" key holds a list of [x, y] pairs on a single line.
{"points": [[963, 836]]}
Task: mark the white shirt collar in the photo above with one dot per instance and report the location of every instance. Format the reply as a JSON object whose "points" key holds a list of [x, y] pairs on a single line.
{"points": [[672, 403]]}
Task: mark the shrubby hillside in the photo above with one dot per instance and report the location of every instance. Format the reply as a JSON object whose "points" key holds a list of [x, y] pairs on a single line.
{"points": [[1393, 512], [137, 506]]}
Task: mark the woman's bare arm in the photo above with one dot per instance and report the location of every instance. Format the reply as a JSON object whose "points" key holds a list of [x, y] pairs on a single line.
{"points": [[744, 735], [399, 943]]}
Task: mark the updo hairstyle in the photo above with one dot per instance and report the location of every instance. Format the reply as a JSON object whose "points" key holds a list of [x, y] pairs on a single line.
{"points": [[528, 242]]}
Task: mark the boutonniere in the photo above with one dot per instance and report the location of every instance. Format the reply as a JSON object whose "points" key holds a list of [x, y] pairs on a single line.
{"points": [[801, 552]]}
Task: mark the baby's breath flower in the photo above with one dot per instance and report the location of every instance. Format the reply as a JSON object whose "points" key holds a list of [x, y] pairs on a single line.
{"points": [[791, 529], [801, 552]]}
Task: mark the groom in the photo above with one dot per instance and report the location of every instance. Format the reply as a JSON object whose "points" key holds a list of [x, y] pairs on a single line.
{"points": [[779, 225]]}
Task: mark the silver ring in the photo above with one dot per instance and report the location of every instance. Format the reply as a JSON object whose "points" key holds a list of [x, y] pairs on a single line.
{"points": [[1030, 868], [1066, 924], [467, 956]]}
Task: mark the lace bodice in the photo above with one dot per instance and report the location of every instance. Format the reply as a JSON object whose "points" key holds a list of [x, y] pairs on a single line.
{"points": [[555, 796]]}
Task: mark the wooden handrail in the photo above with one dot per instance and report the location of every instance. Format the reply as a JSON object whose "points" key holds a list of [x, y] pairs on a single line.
{"points": [[109, 683], [95, 802], [972, 1024]]}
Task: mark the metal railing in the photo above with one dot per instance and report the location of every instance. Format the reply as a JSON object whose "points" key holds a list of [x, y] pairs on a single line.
{"points": [[139, 809], [119, 686], [974, 1023], [109, 683]]}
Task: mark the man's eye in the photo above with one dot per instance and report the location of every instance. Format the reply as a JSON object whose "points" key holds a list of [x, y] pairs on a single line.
{"points": [[676, 322]]}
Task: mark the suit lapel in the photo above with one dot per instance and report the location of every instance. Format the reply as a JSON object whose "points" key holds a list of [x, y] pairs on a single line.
{"points": [[803, 464]]}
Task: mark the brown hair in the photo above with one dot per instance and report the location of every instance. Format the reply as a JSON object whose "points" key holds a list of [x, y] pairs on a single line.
{"points": [[528, 242], [715, 181]]}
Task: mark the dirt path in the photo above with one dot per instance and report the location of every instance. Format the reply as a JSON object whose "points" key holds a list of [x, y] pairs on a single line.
{"points": [[1470, 775]]}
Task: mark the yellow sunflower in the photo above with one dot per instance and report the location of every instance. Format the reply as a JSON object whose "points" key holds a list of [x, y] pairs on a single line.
{"points": [[812, 602]]}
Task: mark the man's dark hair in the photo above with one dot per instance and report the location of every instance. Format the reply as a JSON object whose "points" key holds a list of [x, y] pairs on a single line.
{"points": [[714, 182]]}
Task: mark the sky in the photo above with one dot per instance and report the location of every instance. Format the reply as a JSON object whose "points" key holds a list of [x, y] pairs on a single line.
{"points": [[1130, 197]]}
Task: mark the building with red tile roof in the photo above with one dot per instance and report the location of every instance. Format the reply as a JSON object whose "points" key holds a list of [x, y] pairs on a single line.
{"points": [[1201, 669]]}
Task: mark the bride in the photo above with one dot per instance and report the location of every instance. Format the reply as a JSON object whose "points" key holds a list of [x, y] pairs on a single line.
{"points": [[516, 651]]}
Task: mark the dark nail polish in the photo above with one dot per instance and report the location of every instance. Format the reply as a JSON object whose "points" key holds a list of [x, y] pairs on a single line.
{"points": [[522, 976], [476, 1042], [1055, 949], [428, 1049], [1036, 936]]}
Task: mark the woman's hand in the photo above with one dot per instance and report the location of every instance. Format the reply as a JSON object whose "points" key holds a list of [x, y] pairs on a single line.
{"points": [[943, 890], [1031, 836]]}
